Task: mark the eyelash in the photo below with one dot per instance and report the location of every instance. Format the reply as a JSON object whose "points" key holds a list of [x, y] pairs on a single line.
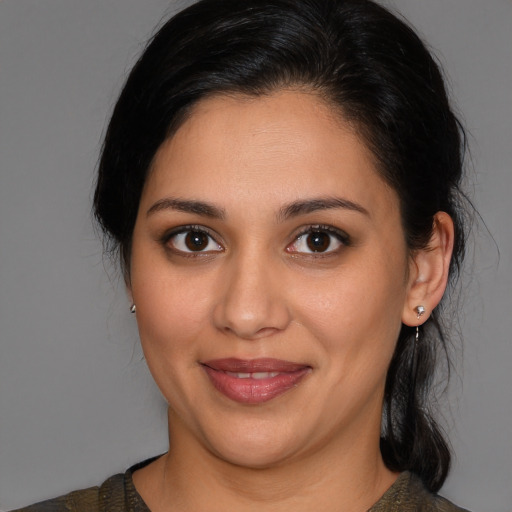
{"points": [[183, 230], [340, 236]]}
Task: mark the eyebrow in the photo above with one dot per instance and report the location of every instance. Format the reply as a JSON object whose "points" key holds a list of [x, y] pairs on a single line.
{"points": [[294, 209], [303, 207], [188, 206]]}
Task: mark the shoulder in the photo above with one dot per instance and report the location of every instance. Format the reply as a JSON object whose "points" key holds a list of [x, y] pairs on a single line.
{"points": [[111, 496], [408, 494], [76, 501]]}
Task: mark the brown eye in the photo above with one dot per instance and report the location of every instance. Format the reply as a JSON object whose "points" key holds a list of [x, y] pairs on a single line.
{"points": [[318, 241], [192, 241], [196, 241]]}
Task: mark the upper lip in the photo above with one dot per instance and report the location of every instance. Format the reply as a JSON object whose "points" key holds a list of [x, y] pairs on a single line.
{"points": [[233, 364]]}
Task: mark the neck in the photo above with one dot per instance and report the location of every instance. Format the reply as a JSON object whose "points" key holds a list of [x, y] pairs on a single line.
{"points": [[347, 475]]}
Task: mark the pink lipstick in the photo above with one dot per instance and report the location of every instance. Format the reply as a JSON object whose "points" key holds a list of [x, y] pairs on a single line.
{"points": [[254, 381]]}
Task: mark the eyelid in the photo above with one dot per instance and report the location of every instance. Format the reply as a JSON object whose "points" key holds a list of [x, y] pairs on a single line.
{"points": [[169, 234], [343, 238]]}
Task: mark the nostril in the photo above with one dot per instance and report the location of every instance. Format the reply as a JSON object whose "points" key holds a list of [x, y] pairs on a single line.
{"points": [[250, 334], [250, 304], [267, 331]]}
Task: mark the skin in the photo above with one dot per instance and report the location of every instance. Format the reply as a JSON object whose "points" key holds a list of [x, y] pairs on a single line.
{"points": [[258, 291]]}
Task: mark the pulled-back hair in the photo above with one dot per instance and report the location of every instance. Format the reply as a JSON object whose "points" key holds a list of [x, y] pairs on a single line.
{"points": [[377, 74]]}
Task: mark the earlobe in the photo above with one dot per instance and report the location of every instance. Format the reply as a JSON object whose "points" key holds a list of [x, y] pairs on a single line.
{"points": [[429, 271]]}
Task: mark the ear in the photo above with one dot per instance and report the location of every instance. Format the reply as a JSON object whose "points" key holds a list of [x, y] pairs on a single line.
{"points": [[428, 271]]}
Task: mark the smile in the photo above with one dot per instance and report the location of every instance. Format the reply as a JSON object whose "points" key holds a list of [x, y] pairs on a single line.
{"points": [[255, 375], [254, 381]]}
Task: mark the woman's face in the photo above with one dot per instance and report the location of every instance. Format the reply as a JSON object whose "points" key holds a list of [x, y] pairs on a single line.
{"points": [[270, 273]]}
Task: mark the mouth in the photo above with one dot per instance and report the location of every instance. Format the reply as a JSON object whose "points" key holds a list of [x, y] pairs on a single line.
{"points": [[254, 381]]}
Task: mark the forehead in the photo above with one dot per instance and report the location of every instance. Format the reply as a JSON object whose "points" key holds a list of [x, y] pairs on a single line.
{"points": [[289, 143]]}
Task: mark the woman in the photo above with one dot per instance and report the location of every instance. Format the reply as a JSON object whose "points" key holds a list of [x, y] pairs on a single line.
{"points": [[280, 178]]}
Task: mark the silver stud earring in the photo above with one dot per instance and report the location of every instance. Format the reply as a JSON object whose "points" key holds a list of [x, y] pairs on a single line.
{"points": [[133, 308], [420, 310]]}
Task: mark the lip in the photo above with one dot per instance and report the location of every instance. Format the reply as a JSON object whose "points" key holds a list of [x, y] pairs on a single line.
{"points": [[254, 381]]}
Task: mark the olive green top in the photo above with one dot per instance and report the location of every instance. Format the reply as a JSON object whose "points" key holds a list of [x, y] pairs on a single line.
{"points": [[118, 494]]}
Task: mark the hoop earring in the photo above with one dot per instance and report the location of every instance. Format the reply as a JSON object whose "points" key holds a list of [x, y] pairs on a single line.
{"points": [[133, 308], [420, 310]]}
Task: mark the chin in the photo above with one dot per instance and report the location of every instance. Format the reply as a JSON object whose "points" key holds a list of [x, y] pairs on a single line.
{"points": [[259, 447], [254, 456]]}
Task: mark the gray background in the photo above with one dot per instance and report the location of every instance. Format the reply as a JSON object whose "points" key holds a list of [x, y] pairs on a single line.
{"points": [[76, 401]]}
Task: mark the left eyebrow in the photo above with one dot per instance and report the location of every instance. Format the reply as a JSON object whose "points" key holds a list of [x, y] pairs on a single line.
{"points": [[303, 207]]}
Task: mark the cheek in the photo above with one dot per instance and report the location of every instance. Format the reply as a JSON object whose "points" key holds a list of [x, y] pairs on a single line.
{"points": [[171, 305], [356, 312], [170, 318], [170, 312], [352, 300]]}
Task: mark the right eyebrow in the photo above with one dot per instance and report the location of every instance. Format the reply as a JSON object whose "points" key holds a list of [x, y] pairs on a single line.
{"points": [[188, 206]]}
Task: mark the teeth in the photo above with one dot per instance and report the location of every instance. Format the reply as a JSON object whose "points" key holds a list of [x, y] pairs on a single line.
{"points": [[255, 375], [264, 375], [239, 375]]}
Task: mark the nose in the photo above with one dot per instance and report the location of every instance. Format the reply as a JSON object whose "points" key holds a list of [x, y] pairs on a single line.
{"points": [[252, 304]]}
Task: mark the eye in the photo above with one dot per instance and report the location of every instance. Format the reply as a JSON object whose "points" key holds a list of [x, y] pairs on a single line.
{"points": [[318, 239], [192, 240]]}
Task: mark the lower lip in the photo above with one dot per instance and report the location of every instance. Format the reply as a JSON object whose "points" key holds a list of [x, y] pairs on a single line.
{"points": [[254, 391]]}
